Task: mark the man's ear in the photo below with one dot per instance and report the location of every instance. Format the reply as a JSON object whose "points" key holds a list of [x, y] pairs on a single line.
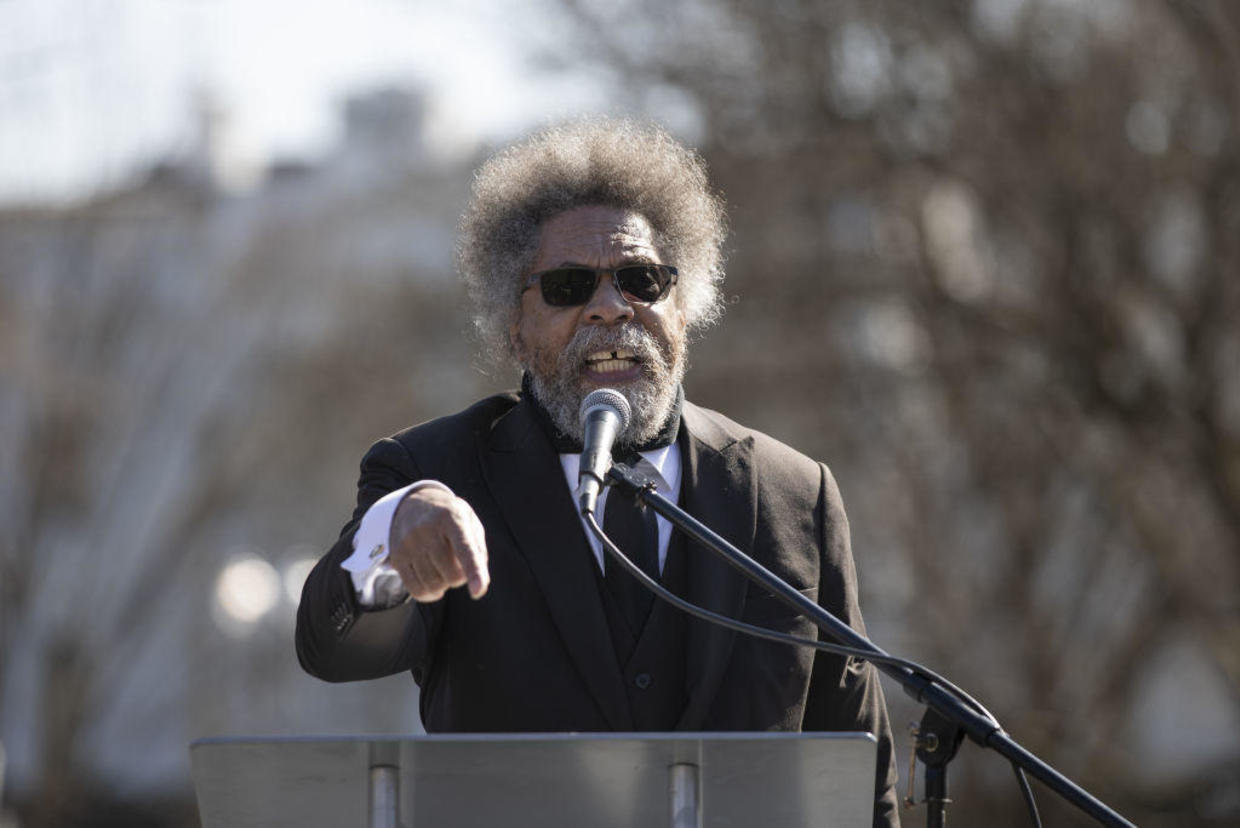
{"points": [[514, 339], [681, 317]]}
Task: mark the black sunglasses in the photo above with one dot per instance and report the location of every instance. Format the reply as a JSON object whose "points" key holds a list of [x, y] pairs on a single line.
{"points": [[564, 287]]}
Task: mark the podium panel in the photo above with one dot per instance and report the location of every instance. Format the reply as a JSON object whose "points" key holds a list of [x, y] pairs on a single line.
{"points": [[620, 780]]}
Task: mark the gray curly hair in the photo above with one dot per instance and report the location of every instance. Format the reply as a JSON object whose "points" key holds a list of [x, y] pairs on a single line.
{"points": [[585, 162]]}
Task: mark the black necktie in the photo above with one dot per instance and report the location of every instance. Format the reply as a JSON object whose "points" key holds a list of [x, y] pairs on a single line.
{"points": [[636, 532]]}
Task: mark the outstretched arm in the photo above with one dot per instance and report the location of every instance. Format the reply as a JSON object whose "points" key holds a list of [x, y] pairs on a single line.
{"points": [[435, 543]]}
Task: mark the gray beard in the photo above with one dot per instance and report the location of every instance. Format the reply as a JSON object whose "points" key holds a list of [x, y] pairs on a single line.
{"points": [[651, 397]]}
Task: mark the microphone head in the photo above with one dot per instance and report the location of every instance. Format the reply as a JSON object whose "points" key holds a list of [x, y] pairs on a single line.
{"points": [[606, 398]]}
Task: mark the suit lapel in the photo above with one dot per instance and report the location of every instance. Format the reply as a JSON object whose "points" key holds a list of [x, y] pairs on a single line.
{"points": [[719, 491], [523, 472]]}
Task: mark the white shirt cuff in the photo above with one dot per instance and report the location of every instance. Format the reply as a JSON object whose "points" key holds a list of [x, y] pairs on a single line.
{"points": [[376, 583]]}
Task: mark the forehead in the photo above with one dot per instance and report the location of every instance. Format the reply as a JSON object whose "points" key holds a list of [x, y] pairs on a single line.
{"points": [[595, 236]]}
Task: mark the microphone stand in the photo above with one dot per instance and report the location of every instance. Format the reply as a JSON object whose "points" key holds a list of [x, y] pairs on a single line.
{"points": [[940, 732]]}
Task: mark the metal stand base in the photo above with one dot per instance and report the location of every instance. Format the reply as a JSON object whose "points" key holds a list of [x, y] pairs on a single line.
{"points": [[685, 790], [383, 785]]}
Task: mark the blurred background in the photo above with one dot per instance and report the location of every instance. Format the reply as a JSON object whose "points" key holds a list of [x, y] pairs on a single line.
{"points": [[985, 262]]}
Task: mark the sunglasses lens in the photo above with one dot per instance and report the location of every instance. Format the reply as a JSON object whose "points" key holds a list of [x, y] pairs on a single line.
{"points": [[644, 283], [568, 286]]}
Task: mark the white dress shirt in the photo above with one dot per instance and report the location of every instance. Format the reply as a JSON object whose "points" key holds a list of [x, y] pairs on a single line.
{"points": [[377, 584]]}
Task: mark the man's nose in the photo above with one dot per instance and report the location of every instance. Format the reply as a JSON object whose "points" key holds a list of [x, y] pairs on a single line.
{"points": [[607, 306]]}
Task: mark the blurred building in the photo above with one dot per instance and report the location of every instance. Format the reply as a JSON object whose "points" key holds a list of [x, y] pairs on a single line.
{"points": [[192, 371]]}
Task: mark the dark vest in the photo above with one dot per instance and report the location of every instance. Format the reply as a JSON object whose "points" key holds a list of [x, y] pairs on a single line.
{"points": [[653, 664]]}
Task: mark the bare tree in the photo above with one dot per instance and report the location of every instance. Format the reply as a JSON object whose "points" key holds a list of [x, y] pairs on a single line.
{"points": [[985, 265]]}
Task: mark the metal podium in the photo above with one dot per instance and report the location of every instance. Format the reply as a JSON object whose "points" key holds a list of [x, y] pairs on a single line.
{"points": [[621, 780]]}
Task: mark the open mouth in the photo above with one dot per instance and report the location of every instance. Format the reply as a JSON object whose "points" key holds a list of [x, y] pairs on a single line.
{"points": [[610, 362]]}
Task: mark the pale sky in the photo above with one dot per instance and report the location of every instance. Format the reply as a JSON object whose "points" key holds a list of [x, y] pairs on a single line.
{"points": [[92, 90]]}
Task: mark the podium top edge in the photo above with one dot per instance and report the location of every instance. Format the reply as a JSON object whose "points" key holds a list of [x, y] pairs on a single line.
{"points": [[465, 738]]}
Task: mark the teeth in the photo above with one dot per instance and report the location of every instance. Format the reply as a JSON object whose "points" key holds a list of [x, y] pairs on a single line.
{"points": [[607, 366], [600, 356]]}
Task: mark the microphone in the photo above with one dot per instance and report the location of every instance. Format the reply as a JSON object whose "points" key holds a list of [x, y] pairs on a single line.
{"points": [[604, 415]]}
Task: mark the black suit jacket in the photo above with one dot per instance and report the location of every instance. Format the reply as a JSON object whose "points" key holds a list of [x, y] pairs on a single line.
{"points": [[534, 654]]}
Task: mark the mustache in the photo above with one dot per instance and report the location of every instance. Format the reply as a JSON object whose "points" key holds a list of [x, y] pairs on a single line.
{"points": [[632, 337]]}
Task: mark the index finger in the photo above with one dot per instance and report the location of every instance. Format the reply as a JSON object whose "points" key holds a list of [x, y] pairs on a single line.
{"points": [[472, 556]]}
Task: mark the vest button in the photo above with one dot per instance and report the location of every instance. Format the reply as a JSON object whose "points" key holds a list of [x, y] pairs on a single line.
{"points": [[642, 680]]}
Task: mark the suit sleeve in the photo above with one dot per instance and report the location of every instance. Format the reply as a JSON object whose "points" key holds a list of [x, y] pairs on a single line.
{"points": [[844, 693], [336, 639]]}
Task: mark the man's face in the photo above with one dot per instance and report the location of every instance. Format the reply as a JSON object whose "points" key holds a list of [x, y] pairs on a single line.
{"points": [[637, 349]]}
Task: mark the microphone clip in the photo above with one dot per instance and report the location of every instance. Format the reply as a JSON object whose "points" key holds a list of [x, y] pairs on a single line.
{"points": [[632, 482]]}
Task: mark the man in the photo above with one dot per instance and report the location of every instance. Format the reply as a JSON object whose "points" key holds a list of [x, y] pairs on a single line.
{"points": [[591, 251]]}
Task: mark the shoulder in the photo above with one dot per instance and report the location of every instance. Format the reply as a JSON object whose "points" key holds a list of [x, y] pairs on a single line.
{"points": [[774, 457], [789, 487], [783, 475], [476, 420], [441, 449], [445, 435]]}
